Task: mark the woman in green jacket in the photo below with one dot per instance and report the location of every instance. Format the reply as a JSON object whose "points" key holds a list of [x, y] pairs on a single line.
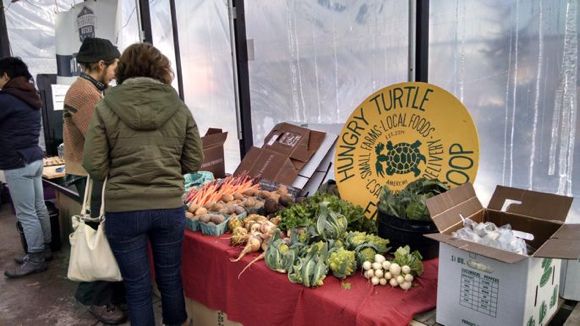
{"points": [[142, 139]]}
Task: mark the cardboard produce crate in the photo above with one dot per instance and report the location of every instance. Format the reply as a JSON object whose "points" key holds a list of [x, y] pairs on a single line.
{"points": [[286, 150], [480, 285], [213, 152], [202, 315]]}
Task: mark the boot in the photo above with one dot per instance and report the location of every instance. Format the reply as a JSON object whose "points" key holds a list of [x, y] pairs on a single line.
{"points": [[34, 264], [47, 255], [108, 314]]}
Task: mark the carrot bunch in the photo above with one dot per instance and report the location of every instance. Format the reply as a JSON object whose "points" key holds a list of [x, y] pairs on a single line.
{"points": [[214, 191]]}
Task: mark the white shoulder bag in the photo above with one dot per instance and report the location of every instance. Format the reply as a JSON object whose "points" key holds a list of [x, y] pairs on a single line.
{"points": [[91, 258]]}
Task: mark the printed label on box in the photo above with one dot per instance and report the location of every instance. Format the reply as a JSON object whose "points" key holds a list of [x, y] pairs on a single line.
{"points": [[479, 292]]}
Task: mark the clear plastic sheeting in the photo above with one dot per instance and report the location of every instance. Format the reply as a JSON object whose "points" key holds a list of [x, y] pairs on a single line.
{"points": [[31, 30], [162, 31], [31, 34], [206, 60], [514, 64], [316, 61]]}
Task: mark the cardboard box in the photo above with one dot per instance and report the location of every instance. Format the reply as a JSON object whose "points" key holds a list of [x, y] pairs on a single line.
{"points": [[286, 150], [202, 315], [570, 280], [480, 285], [213, 151]]}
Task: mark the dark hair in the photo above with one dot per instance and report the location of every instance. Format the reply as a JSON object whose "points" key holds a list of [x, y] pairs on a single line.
{"points": [[14, 67], [93, 66], [144, 60]]}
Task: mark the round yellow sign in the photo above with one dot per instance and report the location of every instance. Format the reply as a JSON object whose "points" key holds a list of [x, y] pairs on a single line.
{"points": [[399, 134]]}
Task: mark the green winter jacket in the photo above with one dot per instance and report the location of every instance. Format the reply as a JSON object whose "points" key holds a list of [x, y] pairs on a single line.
{"points": [[142, 138]]}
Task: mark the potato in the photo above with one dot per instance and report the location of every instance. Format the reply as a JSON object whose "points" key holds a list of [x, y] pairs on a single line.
{"points": [[250, 192], [204, 218], [227, 198], [239, 210], [238, 196], [217, 218], [201, 211], [271, 206], [285, 200], [282, 190], [250, 202], [215, 207], [193, 207]]}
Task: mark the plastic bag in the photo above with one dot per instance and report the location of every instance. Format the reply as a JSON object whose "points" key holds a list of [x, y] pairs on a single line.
{"points": [[488, 234]]}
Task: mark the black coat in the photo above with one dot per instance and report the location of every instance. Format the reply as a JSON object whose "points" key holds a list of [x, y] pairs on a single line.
{"points": [[19, 127]]}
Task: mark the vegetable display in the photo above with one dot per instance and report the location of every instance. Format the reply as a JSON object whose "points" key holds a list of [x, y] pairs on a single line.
{"points": [[311, 239], [279, 256], [409, 203], [233, 197], [342, 262], [310, 269], [227, 188], [329, 223], [304, 214], [400, 272]]}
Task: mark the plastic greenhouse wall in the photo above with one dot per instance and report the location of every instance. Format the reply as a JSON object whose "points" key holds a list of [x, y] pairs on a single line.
{"points": [[206, 61], [514, 64], [315, 61]]}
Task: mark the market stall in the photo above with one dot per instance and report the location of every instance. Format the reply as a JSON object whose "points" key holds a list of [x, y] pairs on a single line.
{"points": [[261, 295]]}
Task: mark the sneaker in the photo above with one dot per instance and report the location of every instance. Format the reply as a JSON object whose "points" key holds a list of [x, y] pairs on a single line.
{"points": [[34, 263], [108, 314], [47, 256]]}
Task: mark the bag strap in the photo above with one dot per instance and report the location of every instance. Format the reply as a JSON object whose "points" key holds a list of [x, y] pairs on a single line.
{"points": [[102, 212], [87, 197], [86, 216]]}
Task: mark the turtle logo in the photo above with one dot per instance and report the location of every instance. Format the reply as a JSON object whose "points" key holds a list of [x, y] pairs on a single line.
{"points": [[401, 158]]}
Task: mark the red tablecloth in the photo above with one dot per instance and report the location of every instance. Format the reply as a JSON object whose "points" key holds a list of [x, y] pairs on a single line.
{"points": [[264, 297]]}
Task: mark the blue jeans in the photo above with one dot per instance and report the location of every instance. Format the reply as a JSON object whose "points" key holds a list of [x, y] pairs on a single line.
{"points": [[25, 185], [128, 234]]}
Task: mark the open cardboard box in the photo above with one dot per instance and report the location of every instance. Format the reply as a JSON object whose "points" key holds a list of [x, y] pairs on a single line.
{"points": [[213, 152], [480, 285], [286, 150]]}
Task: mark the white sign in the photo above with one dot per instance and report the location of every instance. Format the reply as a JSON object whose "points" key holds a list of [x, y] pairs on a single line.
{"points": [[58, 93]]}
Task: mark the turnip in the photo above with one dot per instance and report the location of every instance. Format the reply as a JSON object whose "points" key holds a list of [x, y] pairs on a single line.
{"points": [[406, 286], [367, 265], [388, 275], [386, 265], [375, 280], [409, 278], [253, 245], [400, 279], [377, 266], [366, 274], [395, 269], [393, 282], [383, 281], [406, 269], [379, 273], [370, 273], [379, 258]]}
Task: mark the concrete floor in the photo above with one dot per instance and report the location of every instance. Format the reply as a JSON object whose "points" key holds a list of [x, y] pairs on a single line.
{"points": [[44, 298]]}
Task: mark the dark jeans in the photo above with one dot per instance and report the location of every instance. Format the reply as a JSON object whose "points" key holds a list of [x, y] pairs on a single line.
{"points": [[128, 234], [97, 293]]}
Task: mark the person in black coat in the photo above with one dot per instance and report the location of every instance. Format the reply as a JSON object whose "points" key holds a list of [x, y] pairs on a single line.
{"points": [[21, 160]]}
